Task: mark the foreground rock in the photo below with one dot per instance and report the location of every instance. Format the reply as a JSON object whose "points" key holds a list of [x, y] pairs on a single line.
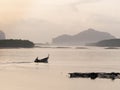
{"points": [[94, 75]]}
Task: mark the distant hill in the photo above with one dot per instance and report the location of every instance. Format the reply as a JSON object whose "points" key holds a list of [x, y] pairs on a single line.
{"points": [[107, 43], [2, 35], [16, 44], [82, 38]]}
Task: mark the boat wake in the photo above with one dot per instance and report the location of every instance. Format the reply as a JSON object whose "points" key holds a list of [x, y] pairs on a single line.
{"points": [[15, 62]]}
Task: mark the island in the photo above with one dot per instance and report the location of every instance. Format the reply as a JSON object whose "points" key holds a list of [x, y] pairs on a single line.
{"points": [[11, 43], [106, 43], [82, 38]]}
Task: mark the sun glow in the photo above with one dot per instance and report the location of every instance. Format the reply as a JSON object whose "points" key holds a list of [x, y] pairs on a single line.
{"points": [[11, 10]]}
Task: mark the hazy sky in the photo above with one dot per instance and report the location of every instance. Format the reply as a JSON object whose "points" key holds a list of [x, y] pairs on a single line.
{"points": [[42, 20]]}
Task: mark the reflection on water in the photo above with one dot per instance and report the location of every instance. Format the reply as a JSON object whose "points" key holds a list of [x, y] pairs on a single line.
{"points": [[19, 72]]}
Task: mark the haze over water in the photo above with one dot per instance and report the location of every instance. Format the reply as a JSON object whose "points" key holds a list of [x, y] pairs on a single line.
{"points": [[40, 21], [19, 72]]}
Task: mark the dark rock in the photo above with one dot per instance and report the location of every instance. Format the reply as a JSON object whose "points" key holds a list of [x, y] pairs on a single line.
{"points": [[94, 75]]}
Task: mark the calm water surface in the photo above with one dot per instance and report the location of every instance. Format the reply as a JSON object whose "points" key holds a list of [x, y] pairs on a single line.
{"points": [[19, 72]]}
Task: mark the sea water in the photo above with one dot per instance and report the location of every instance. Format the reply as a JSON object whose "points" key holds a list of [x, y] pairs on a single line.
{"points": [[19, 72]]}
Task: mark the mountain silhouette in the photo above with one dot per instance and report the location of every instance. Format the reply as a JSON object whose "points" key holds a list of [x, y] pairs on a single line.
{"points": [[2, 35], [82, 38]]}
